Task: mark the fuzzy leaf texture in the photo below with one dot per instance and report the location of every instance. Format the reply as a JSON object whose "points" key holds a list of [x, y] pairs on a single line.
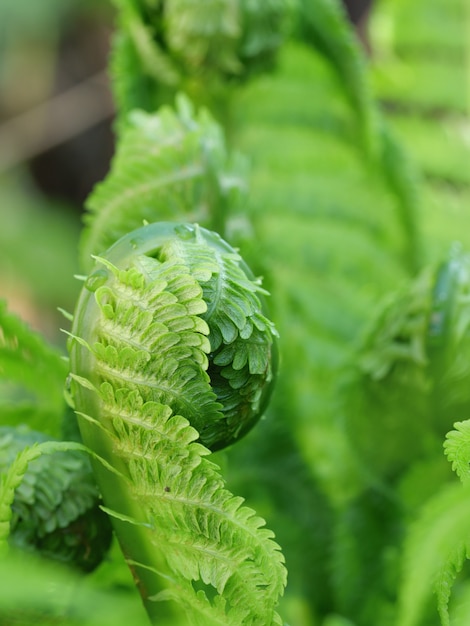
{"points": [[172, 165], [151, 333]]}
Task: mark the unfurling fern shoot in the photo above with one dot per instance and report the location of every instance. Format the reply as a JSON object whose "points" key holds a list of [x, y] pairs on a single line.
{"points": [[172, 355]]}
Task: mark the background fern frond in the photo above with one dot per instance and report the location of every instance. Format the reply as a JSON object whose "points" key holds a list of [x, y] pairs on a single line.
{"points": [[141, 374], [169, 166], [444, 525], [419, 75], [181, 45], [9, 483], [17, 454], [325, 25], [142, 72], [457, 449], [55, 511], [323, 230], [32, 376]]}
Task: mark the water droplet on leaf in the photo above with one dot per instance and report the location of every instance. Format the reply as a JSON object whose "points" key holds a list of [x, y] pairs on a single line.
{"points": [[96, 279]]}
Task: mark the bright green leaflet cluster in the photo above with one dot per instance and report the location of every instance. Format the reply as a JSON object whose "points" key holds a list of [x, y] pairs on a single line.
{"points": [[49, 506], [173, 165], [169, 347], [56, 505]]}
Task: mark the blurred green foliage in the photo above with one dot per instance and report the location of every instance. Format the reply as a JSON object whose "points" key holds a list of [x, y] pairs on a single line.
{"points": [[330, 241]]}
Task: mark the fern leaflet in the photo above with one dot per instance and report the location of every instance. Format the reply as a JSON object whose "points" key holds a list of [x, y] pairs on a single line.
{"points": [[169, 166], [457, 449], [141, 349], [11, 480]]}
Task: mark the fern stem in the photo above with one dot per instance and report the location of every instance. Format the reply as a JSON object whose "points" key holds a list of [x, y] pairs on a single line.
{"points": [[324, 23], [402, 180]]}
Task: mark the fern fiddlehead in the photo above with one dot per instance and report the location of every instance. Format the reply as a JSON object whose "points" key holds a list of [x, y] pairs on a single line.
{"points": [[176, 45], [172, 354], [55, 511], [415, 355], [49, 503], [414, 360]]}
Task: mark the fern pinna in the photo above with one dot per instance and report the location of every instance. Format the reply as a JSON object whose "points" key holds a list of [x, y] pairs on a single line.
{"points": [[172, 354], [49, 501]]}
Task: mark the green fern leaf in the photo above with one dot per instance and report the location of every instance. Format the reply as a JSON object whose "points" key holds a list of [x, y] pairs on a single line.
{"points": [[203, 35], [132, 88], [457, 449], [324, 24], [9, 483], [143, 76], [55, 511], [237, 329], [11, 480], [189, 46], [446, 578], [32, 376], [443, 524], [142, 384], [169, 166]]}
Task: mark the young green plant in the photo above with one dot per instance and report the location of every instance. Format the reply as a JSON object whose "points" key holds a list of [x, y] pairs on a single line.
{"points": [[172, 355]]}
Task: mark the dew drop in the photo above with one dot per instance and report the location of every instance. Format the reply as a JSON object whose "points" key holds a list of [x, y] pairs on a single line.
{"points": [[96, 279], [136, 242], [184, 231]]}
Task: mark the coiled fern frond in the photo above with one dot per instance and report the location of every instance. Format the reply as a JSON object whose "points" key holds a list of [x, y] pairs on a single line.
{"points": [[55, 511], [49, 504], [164, 47], [416, 352], [171, 353], [416, 355]]}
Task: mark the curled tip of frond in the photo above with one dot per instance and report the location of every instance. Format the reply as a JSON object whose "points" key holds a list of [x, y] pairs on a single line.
{"points": [[175, 347]]}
